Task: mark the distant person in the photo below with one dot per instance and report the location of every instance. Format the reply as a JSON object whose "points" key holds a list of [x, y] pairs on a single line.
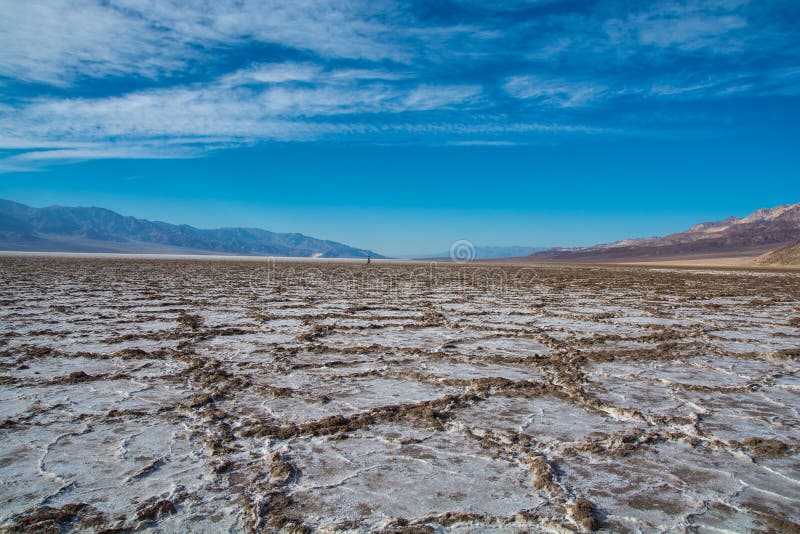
{"points": [[368, 260]]}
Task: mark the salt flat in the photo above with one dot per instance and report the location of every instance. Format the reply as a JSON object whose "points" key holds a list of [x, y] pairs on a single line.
{"points": [[212, 396]]}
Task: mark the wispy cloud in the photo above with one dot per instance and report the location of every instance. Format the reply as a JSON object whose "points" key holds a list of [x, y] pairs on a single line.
{"points": [[55, 42], [274, 73], [60, 41], [96, 152], [91, 79], [554, 92], [221, 109], [690, 26]]}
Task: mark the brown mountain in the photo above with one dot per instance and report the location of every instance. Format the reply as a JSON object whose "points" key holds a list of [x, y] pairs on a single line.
{"points": [[789, 255], [762, 231]]}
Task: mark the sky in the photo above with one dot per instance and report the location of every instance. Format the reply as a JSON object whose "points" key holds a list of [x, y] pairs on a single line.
{"points": [[404, 126]]}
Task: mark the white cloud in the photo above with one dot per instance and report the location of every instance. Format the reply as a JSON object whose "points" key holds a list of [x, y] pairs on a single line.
{"points": [[687, 26], [37, 159], [766, 82], [447, 133], [54, 41], [274, 73], [689, 33], [368, 74], [438, 97], [283, 108], [554, 92], [57, 41], [645, 34], [99, 152]]}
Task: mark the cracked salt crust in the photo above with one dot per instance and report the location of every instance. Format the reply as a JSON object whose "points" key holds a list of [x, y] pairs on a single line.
{"points": [[186, 395]]}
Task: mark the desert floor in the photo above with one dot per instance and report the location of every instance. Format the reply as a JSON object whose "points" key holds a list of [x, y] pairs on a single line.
{"points": [[198, 395]]}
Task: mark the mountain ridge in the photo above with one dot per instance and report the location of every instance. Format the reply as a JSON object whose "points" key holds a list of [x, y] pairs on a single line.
{"points": [[94, 229], [763, 231]]}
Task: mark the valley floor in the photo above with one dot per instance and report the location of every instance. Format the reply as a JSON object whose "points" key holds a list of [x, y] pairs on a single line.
{"points": [[750, 263], [201, 395]]}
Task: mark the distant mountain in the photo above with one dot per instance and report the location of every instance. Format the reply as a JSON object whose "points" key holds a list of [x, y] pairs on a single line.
{"points": [[490, 253], [65, 229], [789, 255], [762, 231]]}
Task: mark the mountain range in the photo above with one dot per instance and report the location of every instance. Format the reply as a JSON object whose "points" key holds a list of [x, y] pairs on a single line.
{"points": [[769, 236], [72, 229], [760, 233]]}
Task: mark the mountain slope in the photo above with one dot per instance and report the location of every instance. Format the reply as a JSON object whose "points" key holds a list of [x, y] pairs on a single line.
{"points": [[66, 229], [789, 255], [762, 231]]}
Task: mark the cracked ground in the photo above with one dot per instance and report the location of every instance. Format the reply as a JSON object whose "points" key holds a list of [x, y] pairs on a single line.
{"points": [[251, 396]]}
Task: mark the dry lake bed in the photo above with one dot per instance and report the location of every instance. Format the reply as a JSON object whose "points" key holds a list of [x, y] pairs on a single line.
{"points": [[249, 396]]}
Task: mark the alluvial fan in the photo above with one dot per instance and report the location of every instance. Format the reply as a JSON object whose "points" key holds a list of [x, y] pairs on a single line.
{"points": [[401, 397]]}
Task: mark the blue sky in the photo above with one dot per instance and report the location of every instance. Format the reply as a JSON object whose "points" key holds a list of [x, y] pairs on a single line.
{"points": [[403, 126]]}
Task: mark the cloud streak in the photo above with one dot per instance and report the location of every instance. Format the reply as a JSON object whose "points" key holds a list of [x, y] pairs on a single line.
{"points": [[554, 92]]}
